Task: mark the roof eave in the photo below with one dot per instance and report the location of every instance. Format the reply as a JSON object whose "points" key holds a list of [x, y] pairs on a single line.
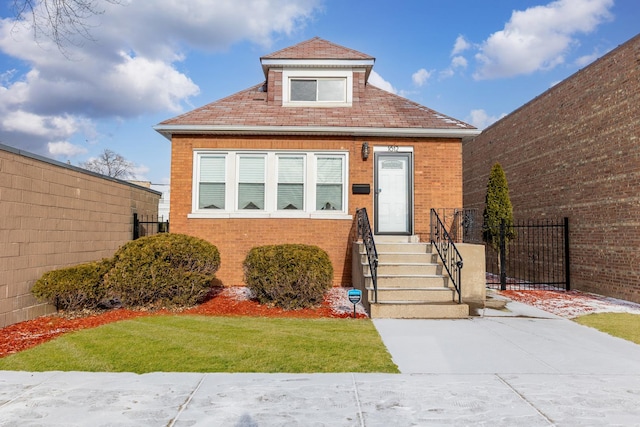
{"points": [[268, 63], [168, 130]]}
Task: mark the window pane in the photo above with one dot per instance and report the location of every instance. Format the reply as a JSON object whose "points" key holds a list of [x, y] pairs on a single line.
{"points": [[291, 196], [329, 188], [212, 169], [329, 197], [290, 169], [290, 183], [331, 90], [252, 169], [251, 182], [211, 186], [211, 195], [303, 90], [329, 170], [250, 196]]}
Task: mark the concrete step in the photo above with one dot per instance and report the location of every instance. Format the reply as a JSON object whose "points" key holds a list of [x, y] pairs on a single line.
{"points": [[403, 247], [408, 257], [406, 269], [418, 310], [408, 281], [431, 295]]}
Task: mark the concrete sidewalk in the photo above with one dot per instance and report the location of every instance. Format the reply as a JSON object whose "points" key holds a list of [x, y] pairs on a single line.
{"points": [[521, 367]]}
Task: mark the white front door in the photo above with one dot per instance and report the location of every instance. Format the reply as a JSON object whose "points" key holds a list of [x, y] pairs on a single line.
{"points": [[393, 193]]}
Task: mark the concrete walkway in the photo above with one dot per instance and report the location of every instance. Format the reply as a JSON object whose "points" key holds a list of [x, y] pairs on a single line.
{"points": [[522, 367]]}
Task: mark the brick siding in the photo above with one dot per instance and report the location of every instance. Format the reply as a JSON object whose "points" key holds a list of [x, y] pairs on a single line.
{"points": [[575, 151], [438, 182]]}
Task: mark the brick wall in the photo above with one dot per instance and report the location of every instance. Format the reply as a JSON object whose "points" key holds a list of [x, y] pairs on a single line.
{"points": [[55, 215], [438, 182], [575, 151]]}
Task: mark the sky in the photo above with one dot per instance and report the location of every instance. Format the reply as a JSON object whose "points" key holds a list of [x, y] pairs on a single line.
{"points": [[143, 62]]}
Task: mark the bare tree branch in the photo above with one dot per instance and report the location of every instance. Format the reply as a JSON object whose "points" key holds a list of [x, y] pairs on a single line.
{"points": [[60, 20], [111, 164]]}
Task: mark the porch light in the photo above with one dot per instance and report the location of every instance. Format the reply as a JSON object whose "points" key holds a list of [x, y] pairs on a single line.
{"points": [[365, 150]]}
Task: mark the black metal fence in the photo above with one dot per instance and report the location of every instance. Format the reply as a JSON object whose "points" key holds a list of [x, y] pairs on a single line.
{"points": [[148, 225], [536, 258]]}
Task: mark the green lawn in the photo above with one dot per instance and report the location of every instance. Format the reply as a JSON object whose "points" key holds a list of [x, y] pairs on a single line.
{"points": [[213, 344], [622, 325]]}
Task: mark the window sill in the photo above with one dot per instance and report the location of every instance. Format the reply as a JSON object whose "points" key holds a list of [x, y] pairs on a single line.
{"points": [[261, 215], [316, 104]]}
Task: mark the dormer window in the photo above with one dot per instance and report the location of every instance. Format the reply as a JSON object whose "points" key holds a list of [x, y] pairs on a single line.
{"points": [[317, 88]]}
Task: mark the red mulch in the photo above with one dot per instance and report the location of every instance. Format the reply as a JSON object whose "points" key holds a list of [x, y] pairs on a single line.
{"points": [[24, 335]]}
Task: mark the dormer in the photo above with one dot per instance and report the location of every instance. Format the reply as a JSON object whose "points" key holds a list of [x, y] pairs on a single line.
{"points": [[315, 73]]}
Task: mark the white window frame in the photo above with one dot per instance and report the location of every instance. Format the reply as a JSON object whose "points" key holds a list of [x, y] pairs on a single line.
{"points": [[305, 74], [271, 186]]}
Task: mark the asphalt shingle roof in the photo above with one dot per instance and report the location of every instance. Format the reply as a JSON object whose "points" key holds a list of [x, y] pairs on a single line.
{"points": [[317, 48], [371, 107], [375, 108]]}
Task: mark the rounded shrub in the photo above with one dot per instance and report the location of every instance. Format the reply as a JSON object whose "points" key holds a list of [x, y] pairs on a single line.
{"points": [[289, 276], [164, 269], [73, 288]]}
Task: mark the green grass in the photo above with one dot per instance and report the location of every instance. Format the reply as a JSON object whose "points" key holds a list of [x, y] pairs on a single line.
{"points": [[213, 344], [622, 325]]}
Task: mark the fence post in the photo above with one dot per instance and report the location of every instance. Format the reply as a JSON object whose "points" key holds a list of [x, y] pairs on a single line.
{"points": [[136, 226], [567, 266], [503, 257]]}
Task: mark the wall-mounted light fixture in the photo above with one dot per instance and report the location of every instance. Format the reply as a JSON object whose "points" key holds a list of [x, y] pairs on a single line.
{"points": [[365, 150]]}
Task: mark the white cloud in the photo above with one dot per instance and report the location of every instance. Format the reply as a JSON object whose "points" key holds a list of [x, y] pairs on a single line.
{"points": [[538, 38], [446, 73], [140, 172], [481, 120], [38, 125], [65, 149], [130, 67], [377, 80], [420, 77], [459, 62], [585, 60], [460, 45]]}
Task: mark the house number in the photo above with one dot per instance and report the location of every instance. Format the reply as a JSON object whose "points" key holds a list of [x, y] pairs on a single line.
{"points": [[393, 148]]}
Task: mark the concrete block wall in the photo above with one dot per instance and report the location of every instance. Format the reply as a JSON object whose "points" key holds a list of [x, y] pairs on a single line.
{"points": [[575, 151], [438, 182], [54, 215]]}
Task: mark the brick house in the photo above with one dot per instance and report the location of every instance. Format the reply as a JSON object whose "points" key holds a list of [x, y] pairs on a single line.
{"points": [[290, 159], [575, 151]]}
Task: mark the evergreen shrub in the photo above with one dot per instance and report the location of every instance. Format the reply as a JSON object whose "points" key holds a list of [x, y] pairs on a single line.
{"points": [[74, 288], [165, 270], [289, 276]]}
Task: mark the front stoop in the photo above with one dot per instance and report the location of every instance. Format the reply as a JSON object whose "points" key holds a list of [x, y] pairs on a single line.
{"points": [[410, 284]]}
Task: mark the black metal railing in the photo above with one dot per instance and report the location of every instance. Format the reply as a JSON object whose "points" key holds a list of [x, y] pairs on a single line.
{"points": [[446, 248], [536, 257], [365, 233], [463, 225], [148, 225]]}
